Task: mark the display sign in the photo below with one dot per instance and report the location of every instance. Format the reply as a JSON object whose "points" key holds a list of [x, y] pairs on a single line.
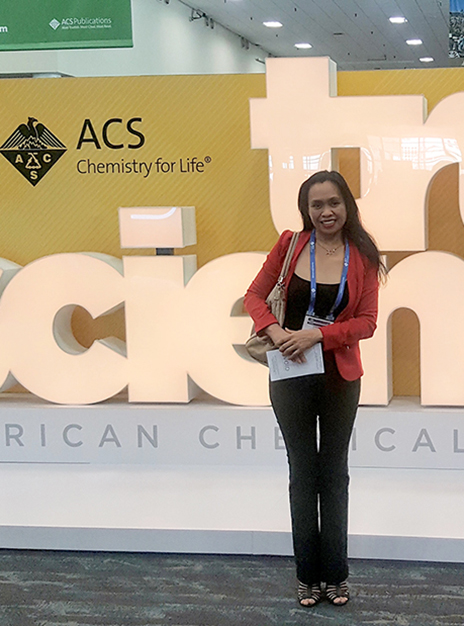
{"points": [[140, 143], [214, 435], [33, 25]]}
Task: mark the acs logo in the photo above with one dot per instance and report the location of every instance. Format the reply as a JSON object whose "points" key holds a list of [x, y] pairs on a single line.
{"points": [[33, 150]]}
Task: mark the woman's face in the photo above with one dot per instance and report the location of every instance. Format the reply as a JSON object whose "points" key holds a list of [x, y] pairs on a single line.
{"points": [[327, 209]]}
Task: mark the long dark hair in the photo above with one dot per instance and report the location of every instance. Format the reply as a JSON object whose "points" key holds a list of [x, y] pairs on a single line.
{"points": [[353, 228]]}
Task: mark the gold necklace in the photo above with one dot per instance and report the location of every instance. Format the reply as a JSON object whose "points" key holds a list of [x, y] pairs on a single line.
{"points": [[329, 251]]}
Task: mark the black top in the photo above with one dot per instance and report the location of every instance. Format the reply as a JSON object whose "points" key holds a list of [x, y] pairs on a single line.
{"points": [[298, 296]]}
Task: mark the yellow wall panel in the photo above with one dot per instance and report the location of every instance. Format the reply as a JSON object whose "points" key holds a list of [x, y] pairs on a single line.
{"points": [[182, 117]]}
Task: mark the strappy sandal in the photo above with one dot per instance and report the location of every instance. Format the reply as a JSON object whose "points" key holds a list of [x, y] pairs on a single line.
{"points": [[309, 592], [339, 594]]}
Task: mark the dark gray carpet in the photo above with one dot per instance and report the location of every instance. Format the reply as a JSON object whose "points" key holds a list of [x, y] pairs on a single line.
{"points": [[40, 588]]}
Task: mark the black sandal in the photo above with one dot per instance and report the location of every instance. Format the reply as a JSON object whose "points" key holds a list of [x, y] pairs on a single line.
{"points": [[335, 593], [309, 592]]}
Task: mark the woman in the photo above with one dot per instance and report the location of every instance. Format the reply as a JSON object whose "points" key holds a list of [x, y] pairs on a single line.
{"points": [[333, 277]]}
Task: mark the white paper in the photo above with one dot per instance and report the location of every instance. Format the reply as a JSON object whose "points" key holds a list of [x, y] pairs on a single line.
{"points": [[280, 367]]}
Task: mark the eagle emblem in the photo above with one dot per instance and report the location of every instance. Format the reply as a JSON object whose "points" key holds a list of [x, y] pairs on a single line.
{"points": [[33, 150]]}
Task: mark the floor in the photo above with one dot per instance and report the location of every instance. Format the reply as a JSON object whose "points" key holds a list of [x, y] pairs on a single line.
{"points": [[46, 588]]}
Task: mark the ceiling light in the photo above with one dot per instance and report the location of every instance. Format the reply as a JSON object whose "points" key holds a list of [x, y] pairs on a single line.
{"points": [[426, 59], [272, 24], [398, 19], [303, 46], [414, 42]]}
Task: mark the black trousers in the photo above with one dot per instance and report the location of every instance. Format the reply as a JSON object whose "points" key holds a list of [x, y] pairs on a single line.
{"points": [[318, 463]]}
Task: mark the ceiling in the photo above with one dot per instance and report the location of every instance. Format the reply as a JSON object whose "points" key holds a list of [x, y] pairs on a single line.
{"points": [[357, 34]]}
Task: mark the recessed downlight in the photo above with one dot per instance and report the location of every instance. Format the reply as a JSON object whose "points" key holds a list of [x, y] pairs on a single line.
{"points": [[414, 42], [426, 59], [398, 19], [273, 24], [303, 46]]}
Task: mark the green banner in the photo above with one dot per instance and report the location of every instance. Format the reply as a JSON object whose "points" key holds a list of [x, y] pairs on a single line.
{"points": [[46, 24]]}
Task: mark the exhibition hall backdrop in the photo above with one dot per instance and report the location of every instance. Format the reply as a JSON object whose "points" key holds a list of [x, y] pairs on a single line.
{"points": [[175, 140]]}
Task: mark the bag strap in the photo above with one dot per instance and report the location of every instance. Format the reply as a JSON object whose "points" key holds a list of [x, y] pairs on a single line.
{"points": [[288, 258]]}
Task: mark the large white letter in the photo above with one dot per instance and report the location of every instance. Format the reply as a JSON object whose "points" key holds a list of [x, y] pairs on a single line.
{"points": [[302, 120], [213, 362], [159, 324], [8, 269], [35, 311], [432, 285]]}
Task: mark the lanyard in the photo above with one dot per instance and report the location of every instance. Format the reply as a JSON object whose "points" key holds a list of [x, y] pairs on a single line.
{"points": [[341, 288]]}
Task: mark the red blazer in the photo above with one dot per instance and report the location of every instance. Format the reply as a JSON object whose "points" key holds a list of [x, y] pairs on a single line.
{"points": [[358, 319]]}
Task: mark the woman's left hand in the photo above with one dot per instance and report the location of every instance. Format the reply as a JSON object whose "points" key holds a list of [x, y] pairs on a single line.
{"points": [[297, 341]]}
